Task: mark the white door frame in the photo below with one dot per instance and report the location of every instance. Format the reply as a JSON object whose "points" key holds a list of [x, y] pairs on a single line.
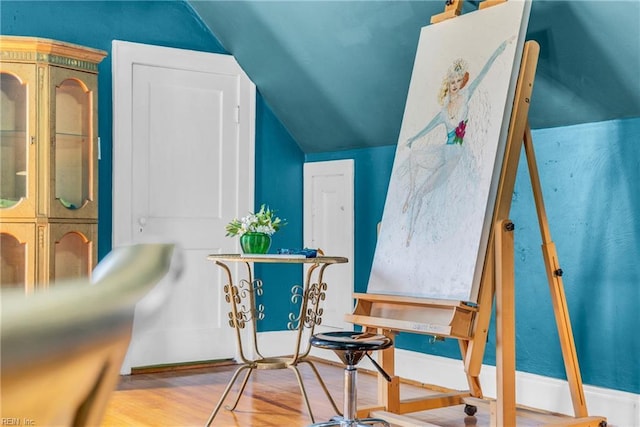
{"points": [[125, 56]]}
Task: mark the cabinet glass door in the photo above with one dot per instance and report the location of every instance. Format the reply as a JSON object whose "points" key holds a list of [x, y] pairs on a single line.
{"points": [[73, 147], [16, 148]]}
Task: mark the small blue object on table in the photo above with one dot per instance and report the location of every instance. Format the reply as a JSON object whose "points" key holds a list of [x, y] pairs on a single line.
{"points": [[308, 253]]}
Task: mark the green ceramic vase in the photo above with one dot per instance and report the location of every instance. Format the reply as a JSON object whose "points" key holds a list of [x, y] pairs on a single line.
{"points": [[255, 243]]}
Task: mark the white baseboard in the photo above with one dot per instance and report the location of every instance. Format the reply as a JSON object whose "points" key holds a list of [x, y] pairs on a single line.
{"points": [[622, 409]]}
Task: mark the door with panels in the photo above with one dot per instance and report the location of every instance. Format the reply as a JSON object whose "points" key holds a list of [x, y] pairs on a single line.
{"points": [[183, 167]]}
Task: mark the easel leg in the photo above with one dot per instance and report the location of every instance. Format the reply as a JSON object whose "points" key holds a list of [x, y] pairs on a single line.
{"points": [[473, 350], [558, 298], [473, 379], [505, 325], [388, 391]]}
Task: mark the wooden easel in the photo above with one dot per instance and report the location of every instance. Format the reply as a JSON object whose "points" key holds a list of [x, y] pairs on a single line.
{"points": [[470, 323]]}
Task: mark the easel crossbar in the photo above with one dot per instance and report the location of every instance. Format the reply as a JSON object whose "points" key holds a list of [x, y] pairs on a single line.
{"points": [[410, 314], [419, 301]]}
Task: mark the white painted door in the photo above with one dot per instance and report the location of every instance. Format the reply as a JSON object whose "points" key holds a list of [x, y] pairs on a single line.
{"points": [[183, 167], [328, 225]]}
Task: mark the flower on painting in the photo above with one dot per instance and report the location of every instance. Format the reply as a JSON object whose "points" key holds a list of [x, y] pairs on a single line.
{"points": [[460, 131], [263, 221]]}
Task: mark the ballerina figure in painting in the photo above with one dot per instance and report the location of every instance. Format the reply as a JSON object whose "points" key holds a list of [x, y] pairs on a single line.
{"points": [[431, 164]]}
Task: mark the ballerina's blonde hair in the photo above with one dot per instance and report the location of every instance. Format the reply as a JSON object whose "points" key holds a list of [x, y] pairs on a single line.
{"points": [[457, 69]]}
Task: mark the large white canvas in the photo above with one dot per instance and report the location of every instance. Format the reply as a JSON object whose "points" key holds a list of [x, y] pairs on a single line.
{"points": [[439, 205]]}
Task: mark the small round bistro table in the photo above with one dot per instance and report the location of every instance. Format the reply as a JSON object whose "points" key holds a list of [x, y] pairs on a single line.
{"points": [[240, 294]]}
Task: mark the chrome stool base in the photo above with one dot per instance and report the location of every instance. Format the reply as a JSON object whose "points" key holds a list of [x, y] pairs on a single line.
{"points": [[342, 422], [351, 347]]}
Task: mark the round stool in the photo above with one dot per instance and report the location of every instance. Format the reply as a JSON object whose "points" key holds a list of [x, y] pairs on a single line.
{"points": [[351, 347]]}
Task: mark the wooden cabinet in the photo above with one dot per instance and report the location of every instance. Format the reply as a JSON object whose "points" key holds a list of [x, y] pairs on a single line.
{"points": [[48, 160]]}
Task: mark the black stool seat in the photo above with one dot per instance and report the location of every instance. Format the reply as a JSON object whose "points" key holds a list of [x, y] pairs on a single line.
{"points": [[351, 347]]}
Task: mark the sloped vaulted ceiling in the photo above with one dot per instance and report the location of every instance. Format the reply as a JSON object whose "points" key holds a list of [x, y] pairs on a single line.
{"points": [[336, 73]]}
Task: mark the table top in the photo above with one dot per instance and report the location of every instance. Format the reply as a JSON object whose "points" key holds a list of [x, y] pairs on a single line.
{"points": [[276, 258]]}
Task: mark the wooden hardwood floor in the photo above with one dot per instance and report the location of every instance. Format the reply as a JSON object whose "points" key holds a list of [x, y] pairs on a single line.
{"points": [[271, 398]]}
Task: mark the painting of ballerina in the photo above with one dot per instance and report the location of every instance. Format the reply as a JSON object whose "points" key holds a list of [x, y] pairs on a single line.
{"points": [[435, 227]]}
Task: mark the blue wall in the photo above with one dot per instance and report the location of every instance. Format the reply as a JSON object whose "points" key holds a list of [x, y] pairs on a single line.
{"points": [[589, 174], [590, 177]]}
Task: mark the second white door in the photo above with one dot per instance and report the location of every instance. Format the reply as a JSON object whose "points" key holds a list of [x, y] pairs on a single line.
{"points": [[329, 225]]}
